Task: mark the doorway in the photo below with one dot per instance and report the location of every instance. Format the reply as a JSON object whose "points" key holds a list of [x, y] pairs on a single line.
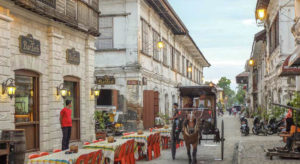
{"points": [[151, 107], [72, 85], [27, 114]]}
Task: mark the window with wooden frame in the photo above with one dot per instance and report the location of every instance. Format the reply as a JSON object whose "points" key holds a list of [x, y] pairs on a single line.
{"points": [[183, 66], [173, 58], [274, 35], [187, 68], [165, 53], [155, 48], [105, 40], [145, 37], [178, 61]]}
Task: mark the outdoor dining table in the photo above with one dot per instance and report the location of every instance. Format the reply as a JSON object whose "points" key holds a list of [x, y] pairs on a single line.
{"points": [[60, 157], [108, 149], [163, 132], [140, 138]]}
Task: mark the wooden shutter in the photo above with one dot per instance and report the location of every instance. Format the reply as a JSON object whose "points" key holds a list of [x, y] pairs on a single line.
{"points": [[156, 103], [115, 95], [105, 40]]}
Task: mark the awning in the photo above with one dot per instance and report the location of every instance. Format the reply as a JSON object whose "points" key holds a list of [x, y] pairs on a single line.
{"points": [[295, 58], [286, 70], [242, 78]]}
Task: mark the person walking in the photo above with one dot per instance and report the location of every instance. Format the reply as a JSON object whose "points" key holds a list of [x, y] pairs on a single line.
{"points": [[66, 124]]}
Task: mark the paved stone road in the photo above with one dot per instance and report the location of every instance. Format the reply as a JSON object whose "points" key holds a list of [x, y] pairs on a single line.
{"points": [[238, 149], [208, 152]]}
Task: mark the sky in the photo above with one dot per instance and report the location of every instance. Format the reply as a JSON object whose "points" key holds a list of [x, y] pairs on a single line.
{"points": [[224, 32]]}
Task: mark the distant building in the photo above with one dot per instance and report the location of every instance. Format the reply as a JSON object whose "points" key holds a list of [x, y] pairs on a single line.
{"points": [[145, 76]]}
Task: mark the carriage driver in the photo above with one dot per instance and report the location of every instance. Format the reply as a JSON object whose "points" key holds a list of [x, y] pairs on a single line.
{"points": [[176, 114]]}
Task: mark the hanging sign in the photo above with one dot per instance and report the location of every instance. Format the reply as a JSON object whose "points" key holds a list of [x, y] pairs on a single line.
{"points": [[29, 45], [105, 80], [73, 56]]}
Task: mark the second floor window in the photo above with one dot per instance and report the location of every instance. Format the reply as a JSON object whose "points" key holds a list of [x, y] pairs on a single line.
{"points": [[105, 40], [145, 37], [173, 53], [178, 61], [274, 35], [155, 48], [165, 53], [182, 65]]}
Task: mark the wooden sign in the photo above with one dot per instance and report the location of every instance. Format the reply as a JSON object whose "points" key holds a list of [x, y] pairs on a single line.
{"points": [[73, 56], [51, 3], [28, 45], [105, 80], [133, 82]]}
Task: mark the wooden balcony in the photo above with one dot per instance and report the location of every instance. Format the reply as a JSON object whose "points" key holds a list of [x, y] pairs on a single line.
{"points": [[82, 15]]}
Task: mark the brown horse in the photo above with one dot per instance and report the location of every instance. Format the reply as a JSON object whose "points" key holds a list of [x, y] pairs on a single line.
{"points": [[191, 133]]}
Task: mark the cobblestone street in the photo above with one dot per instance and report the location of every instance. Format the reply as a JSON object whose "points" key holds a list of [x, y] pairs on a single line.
{"points": [[238, 149]]}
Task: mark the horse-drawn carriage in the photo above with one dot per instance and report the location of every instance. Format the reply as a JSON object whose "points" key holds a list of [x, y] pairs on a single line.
{"points": [[196, 117]]}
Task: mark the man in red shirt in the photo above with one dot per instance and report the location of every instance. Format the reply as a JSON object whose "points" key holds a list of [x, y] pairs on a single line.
{"points": [[66, 124]]}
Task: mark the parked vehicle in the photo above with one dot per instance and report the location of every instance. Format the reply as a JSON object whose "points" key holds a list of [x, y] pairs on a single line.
{"points": [[244, 126], [259, 126], [274, 125]]}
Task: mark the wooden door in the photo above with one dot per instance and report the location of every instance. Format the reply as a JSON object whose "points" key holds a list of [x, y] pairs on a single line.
{"points": [[115, 94], [72, 84], [148, 109], [27, 115]]}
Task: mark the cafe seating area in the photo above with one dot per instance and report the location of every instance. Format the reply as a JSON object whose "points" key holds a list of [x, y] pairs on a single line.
{"points": [[127, 149]]}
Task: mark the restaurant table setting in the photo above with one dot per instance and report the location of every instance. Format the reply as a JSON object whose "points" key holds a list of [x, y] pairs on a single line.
{"points": [[140, 138], [108, 149], [60, 157], [163, 131]]}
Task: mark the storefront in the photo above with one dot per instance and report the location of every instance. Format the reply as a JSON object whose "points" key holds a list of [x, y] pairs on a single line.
{"points": [[41, 58]]}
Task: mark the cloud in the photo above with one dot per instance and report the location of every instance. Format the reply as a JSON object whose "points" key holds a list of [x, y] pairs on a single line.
{"points": [[249, 22]]}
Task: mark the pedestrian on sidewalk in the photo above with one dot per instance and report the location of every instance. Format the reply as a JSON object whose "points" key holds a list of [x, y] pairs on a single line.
{"points": [[66, 124]]}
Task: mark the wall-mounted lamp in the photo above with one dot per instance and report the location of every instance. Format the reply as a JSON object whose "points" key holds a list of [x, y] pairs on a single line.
{"points": [[251, 62], [261, 14], [160, 44], [61, 90], [9, 87], [95, 91], [190, 69]]}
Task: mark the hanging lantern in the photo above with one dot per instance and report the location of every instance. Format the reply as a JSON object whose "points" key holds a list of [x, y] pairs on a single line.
{"points": [[160, 44]]}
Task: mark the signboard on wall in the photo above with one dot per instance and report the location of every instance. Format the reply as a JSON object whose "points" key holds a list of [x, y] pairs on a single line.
{"points": [[105, 80], [29, 45], [133, 82], [73, 56]]}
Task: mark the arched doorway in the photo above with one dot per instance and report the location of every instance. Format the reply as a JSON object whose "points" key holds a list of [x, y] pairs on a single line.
{"points": [[27, 113], [73, 85]]}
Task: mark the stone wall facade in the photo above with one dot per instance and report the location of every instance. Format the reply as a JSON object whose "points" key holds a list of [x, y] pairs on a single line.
{"points": [[52, 67]]}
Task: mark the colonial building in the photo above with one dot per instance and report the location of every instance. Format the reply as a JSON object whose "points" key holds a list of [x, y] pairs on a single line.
{"points": [[280, 44], [47, 52], [144, 52]]}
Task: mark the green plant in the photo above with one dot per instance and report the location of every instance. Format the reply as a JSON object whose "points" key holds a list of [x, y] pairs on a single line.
{"points": [[165, 118], [295, 102], [100, 120]]}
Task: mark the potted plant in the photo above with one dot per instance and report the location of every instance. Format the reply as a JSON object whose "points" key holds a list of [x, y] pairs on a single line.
{"points": [[100, 125]]}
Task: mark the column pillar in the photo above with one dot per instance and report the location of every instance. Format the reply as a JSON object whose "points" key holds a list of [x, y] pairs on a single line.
{"points": [[55, 40], [7, 105], [87, 123]]}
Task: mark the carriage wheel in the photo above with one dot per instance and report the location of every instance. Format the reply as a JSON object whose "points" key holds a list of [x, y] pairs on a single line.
{"points": [[222, 140]]}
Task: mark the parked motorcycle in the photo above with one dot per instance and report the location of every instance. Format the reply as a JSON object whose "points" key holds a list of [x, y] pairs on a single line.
{"points": [[244, 126], [274, 126], [259, 126]]}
